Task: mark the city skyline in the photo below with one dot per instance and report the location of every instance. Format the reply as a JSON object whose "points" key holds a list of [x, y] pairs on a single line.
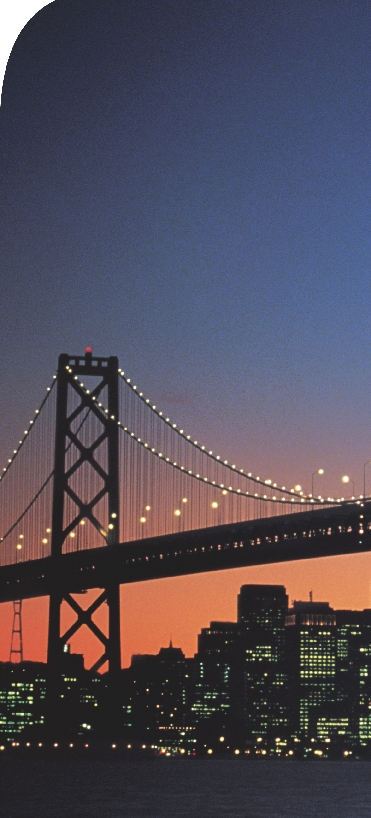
{"points": [[291, 605], [281, 680], [162, 607], [189, 190]]}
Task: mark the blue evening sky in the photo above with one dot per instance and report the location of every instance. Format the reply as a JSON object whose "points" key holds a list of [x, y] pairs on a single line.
{"points": [[187, 185]]}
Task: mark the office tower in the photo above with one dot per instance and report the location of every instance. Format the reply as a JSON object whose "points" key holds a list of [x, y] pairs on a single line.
{"points": [[174, 680], [155, 698], [22, 698], [139, 698], [311, 663], [354, 674], [261, 618], [217, 697], [82, 699]]}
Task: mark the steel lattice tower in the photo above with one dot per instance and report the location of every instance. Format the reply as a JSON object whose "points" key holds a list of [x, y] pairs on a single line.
{"points": [[16, 645], [74, 403]]}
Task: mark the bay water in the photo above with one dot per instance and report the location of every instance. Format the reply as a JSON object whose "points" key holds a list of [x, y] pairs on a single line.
{"points": [[172, 788]]}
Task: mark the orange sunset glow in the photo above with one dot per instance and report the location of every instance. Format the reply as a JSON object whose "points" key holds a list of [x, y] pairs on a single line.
{"points": [[154, 612]]}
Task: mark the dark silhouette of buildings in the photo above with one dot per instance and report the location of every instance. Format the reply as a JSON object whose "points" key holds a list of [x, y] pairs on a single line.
{"points": [[280, 681], [217, 689], [155, 699], [261, 612], [23, 699]]}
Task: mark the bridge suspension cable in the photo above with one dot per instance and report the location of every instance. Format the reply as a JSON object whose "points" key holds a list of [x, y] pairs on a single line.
{"points": [[27, 431], [195, 496], [26, 490], [301, 497], [28, 507], [41, 489], [169, 481], [289, 495], [142, 430]]}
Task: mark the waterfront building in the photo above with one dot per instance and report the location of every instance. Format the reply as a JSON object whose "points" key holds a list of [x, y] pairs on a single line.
{"points": [[218, 682], [23, 692], [311, 664], [139, 698], [354, 672], [275, 682], [155, 699], [261, 611], [22, 698]]}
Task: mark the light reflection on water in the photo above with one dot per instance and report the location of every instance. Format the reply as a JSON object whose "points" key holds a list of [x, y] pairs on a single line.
{"points": [[184, 789]]}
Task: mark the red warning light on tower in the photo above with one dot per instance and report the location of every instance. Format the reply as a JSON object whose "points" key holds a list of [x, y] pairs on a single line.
{"points": [[88, 351]]}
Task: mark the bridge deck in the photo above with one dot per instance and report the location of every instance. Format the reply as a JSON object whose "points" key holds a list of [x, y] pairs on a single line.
{"points": [[325, 532]]}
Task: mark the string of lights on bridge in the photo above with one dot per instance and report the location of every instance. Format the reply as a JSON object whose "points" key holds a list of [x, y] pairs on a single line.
{"points": [[181, 468], [296, 492], [203, 449], [297, 498], [27, 431], [293, 496]]}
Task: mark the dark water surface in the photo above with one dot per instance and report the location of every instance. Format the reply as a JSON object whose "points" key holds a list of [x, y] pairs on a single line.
{"points": [[166, 788]]}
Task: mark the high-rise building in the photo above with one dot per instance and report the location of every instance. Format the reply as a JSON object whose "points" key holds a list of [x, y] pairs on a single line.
{"points": [[155, 698], [217, 681], [139, 698], [174, 683], [22, 698], [261, 613], [276, 682], [311, 663], [354, 673]]}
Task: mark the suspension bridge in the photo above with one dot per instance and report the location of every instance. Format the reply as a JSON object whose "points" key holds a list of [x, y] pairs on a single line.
{"points": [[104, 489]]}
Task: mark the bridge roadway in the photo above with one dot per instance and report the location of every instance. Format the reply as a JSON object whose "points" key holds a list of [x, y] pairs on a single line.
{"points": [[324, 532]]}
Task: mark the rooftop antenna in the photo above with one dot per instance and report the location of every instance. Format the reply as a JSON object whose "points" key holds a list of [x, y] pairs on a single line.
{"points": [[310, 596]]}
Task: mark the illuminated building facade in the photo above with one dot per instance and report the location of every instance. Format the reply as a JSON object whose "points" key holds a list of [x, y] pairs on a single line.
{"points": [[217, 681], [312, 662], [354, 672], [276, 682], [261, 611], [22, 698], [155, 699]]}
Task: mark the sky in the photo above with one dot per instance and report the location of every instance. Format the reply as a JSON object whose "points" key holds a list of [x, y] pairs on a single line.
{"points": [[187, 186]]}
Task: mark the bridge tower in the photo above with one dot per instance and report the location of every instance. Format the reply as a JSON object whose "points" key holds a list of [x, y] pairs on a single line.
{"points": [[86, 459]]}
